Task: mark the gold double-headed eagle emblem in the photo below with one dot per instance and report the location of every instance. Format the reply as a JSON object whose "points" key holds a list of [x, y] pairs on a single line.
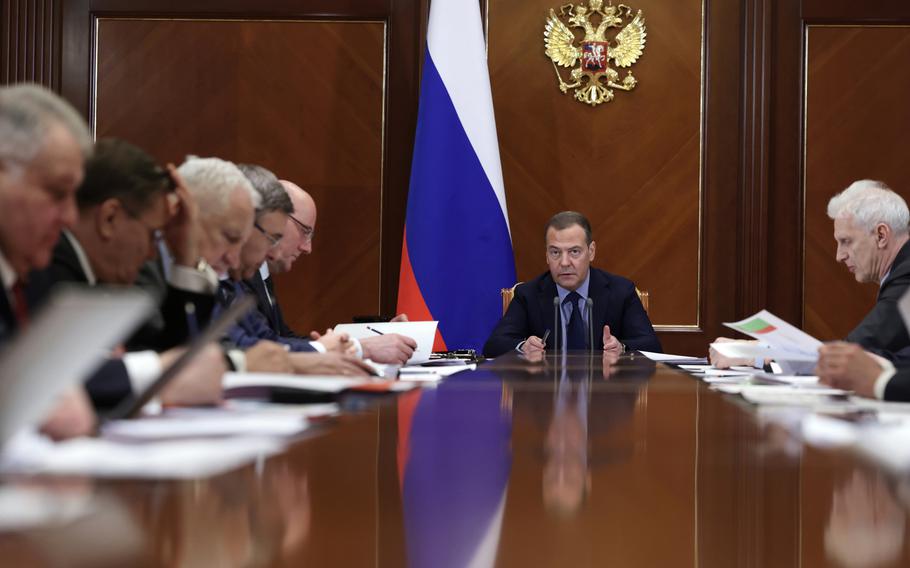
{"points": [[592, 77]]}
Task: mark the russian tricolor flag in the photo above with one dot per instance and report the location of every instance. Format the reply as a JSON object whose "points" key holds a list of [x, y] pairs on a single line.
{"points": [[457, 250]]}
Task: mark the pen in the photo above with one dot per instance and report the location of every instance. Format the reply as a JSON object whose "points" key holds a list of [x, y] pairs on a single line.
{"points": [[543, 339], [376, 331]]}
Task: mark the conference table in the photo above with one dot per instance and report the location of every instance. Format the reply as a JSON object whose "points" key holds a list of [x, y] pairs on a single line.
{"points": [[560, 461]]}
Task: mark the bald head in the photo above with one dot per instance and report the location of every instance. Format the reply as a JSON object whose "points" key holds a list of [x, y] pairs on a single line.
{"points": [[298, 234]]}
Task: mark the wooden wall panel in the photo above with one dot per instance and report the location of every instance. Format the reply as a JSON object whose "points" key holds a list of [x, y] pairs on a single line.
{"points": [[631, 165], [304, 99], [29, 42], [857, 120]]}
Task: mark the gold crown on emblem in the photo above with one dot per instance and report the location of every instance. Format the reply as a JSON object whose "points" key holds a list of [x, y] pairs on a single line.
{"points": [[592, 77]]}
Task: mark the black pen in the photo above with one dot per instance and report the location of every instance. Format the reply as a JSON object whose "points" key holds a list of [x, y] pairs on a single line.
{"points": [[543, 339], [376, 331]]}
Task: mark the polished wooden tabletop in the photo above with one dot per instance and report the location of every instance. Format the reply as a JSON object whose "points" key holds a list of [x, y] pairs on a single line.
{"points": [[563, 461]]}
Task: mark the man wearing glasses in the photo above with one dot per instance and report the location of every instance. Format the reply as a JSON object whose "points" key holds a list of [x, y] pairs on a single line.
{"points": [[297, 241], [576, 292]]}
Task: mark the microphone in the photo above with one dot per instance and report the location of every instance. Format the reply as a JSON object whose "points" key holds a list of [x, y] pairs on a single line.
{"points": [[589, 308], [556, 325]]}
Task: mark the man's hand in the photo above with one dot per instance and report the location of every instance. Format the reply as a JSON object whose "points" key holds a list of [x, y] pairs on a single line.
{"points": [[335, 342], [611, 344], [199, 382], [400, 317], [724, 362], [181, 230], [268, 357], [533, 345], [72, 416], [329, 364], [389, 348], [847, 366]]}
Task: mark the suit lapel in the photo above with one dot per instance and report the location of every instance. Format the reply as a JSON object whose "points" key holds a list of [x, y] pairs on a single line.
{"points": [[599, 291], [65, 256], [899, 266], [546, 291], [262, 299]]}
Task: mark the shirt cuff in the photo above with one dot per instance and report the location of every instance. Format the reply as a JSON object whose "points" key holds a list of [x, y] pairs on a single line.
{"points": [[519, 346], [358, 348], [319, 347], [143, 367], [881, 382], [200, 281], [238, 360]]}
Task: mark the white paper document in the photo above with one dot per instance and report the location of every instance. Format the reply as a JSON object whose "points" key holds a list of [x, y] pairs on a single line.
{"points": [[31, 453], [423, 332], [418, 373], [194, 423], [669, 357], [782, 340], [312, 383]]}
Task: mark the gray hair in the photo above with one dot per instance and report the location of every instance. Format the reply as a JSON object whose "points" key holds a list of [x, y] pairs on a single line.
{"points": [[868, 203], [213, 180], [274, 197], [27, 113]]}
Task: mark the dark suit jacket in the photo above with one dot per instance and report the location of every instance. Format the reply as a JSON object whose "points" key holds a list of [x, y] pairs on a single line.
{"points": [[35, 293], [271, 311], [883, 329], [253, 326], [615, 304], [898, 387], [166, 329], [108, 385]]}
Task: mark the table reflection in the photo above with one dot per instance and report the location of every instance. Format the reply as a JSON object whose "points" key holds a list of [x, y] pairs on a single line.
{"points": [[454, 462], [866, 526]]}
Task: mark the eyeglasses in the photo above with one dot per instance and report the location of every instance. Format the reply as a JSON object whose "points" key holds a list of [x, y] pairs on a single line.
{"points": [[273, 239], [305, 230]]}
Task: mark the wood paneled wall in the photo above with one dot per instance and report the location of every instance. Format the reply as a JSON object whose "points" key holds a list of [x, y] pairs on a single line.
{"points": [[857, 88], [302, 98], [30, 42], [632, 166], [706, 184]]}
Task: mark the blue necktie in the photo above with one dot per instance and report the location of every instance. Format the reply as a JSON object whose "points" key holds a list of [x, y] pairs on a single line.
{"points": [[575, 329]]}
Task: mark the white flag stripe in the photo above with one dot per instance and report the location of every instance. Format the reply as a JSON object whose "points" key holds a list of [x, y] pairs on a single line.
{"points": [[455, 42]]}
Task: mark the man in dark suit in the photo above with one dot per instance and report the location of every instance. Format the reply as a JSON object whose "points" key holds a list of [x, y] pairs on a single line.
{"points": [[329, 353], [124, 206], [619, 321], [43, 145], [298, 240], [871, 231]]}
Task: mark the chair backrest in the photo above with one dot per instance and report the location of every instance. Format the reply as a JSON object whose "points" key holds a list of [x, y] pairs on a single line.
{"points": [[509, 293], [643, 296]]}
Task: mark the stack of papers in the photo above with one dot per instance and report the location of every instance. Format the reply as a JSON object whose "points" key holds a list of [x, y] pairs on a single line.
{"points": [[313, 383], [673, 359], [182, 458], [432, 373]]}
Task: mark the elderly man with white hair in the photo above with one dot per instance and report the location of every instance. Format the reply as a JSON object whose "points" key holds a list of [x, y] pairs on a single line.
{"points": [[871, 231]]}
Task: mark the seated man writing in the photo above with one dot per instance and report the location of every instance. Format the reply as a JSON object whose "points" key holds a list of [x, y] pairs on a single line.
{"points": [[619, 320]]}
